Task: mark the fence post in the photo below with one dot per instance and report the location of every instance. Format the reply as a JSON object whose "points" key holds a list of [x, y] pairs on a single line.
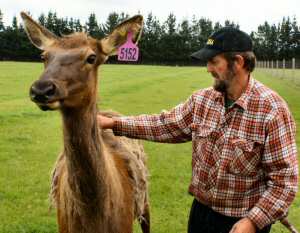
{"points": [[277, 63], [272, 68], [283, 67], [293, 68]]}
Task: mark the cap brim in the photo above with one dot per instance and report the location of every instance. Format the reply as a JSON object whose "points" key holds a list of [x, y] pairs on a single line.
{"points": [[205, 54]]}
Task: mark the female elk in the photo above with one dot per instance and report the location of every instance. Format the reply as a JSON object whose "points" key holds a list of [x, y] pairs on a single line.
{"points": [[99, 183]]}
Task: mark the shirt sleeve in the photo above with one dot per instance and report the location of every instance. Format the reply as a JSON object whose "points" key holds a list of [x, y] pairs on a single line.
{"points": [[169, 126], [280, 163]]}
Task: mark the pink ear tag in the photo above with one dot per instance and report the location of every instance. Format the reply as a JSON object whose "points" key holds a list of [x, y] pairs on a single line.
{"points": [[128, 51]]}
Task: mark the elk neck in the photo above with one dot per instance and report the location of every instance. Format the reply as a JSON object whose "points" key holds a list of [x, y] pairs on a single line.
{"points": [[83, 148]]}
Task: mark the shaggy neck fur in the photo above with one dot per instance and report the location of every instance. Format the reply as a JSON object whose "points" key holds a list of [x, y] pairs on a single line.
{"points": [[92, 186]]}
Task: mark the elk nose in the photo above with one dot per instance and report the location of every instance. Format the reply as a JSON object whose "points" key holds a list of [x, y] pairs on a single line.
{"points": [[42, 91]]}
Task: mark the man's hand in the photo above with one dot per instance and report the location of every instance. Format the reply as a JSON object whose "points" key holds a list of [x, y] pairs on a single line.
{"points": [[105, 122], [245, 225]]}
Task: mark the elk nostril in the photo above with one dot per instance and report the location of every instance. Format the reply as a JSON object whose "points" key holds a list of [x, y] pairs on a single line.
{"points": [[50, 90]]}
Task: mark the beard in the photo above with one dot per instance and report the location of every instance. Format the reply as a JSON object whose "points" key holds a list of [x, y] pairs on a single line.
{"points": [[222, 85]]}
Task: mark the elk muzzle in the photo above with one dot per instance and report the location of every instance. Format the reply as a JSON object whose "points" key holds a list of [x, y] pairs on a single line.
{"points": [[45, 94]]}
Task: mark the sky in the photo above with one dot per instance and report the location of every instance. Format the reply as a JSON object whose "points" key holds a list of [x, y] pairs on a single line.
{"points": [[249, 14]]}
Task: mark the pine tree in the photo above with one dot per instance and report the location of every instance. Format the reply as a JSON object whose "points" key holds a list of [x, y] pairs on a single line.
{"points": [[285, 39], [15, 24], [217, 26], [112, 21], [50, 24], [295, 38], [185, 38], [92, 27], [78, 27], [1, 22], [228, 23], [170, 24], [71, 25], [42, 20]]}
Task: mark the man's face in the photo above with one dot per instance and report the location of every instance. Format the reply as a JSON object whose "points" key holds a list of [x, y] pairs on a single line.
{"points": [[221, 72]]}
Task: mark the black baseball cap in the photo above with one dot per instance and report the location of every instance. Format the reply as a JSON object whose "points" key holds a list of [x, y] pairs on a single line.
{"points": [[227, 39]]}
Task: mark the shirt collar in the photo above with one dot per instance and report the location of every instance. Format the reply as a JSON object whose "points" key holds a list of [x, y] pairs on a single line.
{"points": [[246, 95]]}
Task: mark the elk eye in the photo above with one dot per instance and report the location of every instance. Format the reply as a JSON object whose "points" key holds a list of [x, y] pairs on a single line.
{"points": [[91, 59]]}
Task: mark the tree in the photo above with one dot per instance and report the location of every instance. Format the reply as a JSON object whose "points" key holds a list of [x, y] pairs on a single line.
{"points": [[93, 28], [169, 40], [201, 30], [166, 43], [295, 38], [217, 26], [266, 41], [228, 23], [123, 16], [184, 42], [150, 43], [71, 25], [1, 22], [15, 24], [50, 24], [170, 24], [285, 39], [206, 30], [42, 19], [111, 22], [78, 27]]}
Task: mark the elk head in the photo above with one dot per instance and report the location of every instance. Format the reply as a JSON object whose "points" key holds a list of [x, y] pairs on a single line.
{"points": [[69, 79]]}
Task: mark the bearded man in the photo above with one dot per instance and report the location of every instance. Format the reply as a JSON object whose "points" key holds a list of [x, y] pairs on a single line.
{"points": [[244, 160]]}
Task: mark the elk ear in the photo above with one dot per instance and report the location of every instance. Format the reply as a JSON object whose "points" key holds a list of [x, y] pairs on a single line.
{"points": [[118, 36], [39, 35]]}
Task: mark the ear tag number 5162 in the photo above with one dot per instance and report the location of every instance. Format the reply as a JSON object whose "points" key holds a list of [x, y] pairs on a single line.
{"points": [[128, 51]]}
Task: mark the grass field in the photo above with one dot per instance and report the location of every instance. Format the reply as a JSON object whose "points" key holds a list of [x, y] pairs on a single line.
{"points": [[31, 139]]}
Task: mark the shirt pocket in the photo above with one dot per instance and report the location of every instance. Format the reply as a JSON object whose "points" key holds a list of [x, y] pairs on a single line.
{"points": [[246, 156], [205, 149], [203, 139], [204, 162]]}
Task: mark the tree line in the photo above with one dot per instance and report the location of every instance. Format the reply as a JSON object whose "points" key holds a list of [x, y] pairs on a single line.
{"points": [[170, 42]]}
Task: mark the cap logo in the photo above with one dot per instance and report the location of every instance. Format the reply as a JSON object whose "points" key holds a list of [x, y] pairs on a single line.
{"points": [[210, 42]]}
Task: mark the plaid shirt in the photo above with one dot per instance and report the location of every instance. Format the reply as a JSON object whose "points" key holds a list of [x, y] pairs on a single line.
{"points": [[244, 158]]}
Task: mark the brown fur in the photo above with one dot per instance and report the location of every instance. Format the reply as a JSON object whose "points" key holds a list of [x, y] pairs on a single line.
{"points": [[129, 159], [99, 182]]}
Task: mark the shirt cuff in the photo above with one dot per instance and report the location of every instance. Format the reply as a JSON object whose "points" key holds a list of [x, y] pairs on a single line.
{"points": [[117, 128], [259, 217]]}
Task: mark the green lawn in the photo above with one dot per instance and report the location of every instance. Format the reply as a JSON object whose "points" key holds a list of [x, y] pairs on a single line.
{"points": [[31, 139]]}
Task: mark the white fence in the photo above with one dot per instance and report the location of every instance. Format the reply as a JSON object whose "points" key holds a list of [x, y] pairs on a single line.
{"points": [[281, 68]]}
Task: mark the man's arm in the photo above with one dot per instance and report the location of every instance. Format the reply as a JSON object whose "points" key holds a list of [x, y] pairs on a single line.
{"points": [[279, 161], [105, 122], [172, 126]]}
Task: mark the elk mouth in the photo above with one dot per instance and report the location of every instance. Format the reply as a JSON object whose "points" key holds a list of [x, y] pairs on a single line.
{"points": [[54, 105]]}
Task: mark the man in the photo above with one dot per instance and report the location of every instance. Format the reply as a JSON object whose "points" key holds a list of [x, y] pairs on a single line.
{"points": [[244, 159]]}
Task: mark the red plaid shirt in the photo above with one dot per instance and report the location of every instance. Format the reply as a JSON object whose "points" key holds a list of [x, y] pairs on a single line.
{"points": [[244, 157]]}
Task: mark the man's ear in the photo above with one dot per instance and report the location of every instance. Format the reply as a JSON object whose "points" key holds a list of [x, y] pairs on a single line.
{"points": [[118, 36], [239, 61], [39, 35]]}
